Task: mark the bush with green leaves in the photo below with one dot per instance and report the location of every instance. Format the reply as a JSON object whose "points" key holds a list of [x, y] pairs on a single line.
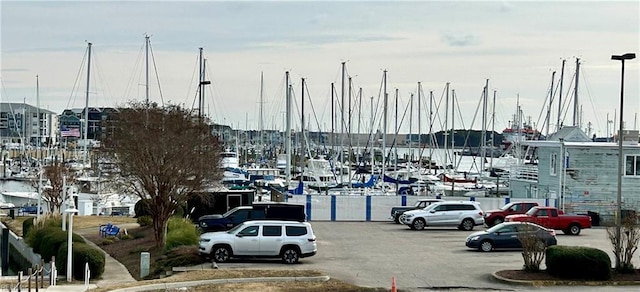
{"points": [[578, 262], [145, 221], [181, 231], [177, 257], [82, 253], [48, 241]]}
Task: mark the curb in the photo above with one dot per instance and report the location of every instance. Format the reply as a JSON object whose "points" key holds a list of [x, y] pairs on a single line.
{"points": [[562, 282], [175, 285]]}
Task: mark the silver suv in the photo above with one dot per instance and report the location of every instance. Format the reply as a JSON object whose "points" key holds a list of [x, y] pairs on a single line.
{"points": [[287, 240], [462, 214]]}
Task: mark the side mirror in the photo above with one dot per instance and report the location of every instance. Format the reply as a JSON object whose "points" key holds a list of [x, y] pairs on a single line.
{"points": [[432, 211], [238, 235]]}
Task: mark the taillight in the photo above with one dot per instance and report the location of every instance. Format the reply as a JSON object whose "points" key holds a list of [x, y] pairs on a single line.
{"points": [[552, 232], [480, 213]]}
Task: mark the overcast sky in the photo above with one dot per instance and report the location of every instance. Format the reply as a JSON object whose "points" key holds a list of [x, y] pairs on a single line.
{"points": [[515, 44]]}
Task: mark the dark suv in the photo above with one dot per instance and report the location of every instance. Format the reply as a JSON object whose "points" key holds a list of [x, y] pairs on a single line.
{"points": [[257, 211]]}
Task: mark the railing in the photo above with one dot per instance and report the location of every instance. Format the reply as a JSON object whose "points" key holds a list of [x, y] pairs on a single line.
{"points": [[524, 172]]}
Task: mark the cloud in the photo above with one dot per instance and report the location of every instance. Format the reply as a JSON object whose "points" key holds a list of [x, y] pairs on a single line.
{"points": [[460, 40]]}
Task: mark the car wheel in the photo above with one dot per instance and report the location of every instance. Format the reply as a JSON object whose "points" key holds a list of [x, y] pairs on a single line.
{"points": [[497, 221], [467, 224], [574, 229], [418, 224], [221, 254], [290, 255], [486, 246], [397, 219]]}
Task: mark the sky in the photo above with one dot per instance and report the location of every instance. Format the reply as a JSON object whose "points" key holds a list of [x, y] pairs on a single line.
{"points": [[515, 45]]}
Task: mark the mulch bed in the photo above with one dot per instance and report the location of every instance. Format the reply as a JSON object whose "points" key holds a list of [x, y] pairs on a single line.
{"points": [[544, 276]]}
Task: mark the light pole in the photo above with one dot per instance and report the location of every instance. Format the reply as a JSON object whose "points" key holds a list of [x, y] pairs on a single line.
{"points": [[72, 210], [622, 58]]}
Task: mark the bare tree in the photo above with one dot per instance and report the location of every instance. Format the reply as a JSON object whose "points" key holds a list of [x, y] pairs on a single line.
{"points": [[629, 239], [165, 153], [533, 246], [55, 174]]}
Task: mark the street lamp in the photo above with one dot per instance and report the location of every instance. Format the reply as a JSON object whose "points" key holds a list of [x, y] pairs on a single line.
{"points": [[72, 210], [622, 58]]}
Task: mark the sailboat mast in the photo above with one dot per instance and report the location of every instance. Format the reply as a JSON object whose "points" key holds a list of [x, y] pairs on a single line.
{"points": [[553, 77], [493, 127], [410, 128], [384, 127], [200, 85], [146, 82], [342, 120], [261, 116], [419, 128], [371, 134], [395, 135], [359, 120], [86, 104], [38, 113], [288, 132], [576, 122], [483, 143], [446, 121], [349, 148], [560, 97], [431, 142], [333, 120], [453, 120]]}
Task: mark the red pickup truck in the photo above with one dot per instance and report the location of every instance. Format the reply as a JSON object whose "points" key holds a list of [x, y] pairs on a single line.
{"points": [[494, 217], [552, 218]]}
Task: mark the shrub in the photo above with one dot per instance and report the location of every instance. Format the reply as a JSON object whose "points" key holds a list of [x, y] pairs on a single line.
{"points": [[142, 208], [26, 226], [108, 241], [145, 221], [577, 262], [126, 237], [178, 212], [176, 257], [180, 232], [50, 239], [625, 244], [82, 253]]}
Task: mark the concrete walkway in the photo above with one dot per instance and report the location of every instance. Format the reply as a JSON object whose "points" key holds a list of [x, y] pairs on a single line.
{"points": [[114, 272]]}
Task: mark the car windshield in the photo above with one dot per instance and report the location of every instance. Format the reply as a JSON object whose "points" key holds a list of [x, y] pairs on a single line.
{"points": [[229, 212], [235, 229], [506, 207], [427, 208], [495, 228], [532, 211]]}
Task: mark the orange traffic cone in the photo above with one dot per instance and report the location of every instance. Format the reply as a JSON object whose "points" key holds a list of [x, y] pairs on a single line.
{"points": [[393, 284]]}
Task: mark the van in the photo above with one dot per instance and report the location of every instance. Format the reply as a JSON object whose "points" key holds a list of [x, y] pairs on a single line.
{"points": [[257, 211]]}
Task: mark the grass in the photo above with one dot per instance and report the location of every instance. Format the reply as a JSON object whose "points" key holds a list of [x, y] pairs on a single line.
{"points": [[79, 222]]}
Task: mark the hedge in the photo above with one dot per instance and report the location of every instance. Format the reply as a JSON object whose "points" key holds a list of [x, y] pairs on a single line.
{"points": [[82, 253], [48, 240], [577, 262]]}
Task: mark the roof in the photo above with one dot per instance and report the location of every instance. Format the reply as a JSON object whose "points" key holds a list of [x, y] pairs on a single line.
{"points": [[569, 134], [556, 144], [18, 107]]}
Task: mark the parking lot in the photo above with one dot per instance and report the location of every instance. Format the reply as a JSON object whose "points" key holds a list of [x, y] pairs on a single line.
{"points": [[371, 253]]}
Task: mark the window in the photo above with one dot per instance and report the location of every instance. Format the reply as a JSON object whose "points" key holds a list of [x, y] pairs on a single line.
{"points": [[271, 231], [241, 215], [542, 213], [296, 230], [249, 231], [554, 164], [632, 165]]}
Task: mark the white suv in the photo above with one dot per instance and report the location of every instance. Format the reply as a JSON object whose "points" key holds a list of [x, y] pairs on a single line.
{"points": [[462, 214], [288, 240]]}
